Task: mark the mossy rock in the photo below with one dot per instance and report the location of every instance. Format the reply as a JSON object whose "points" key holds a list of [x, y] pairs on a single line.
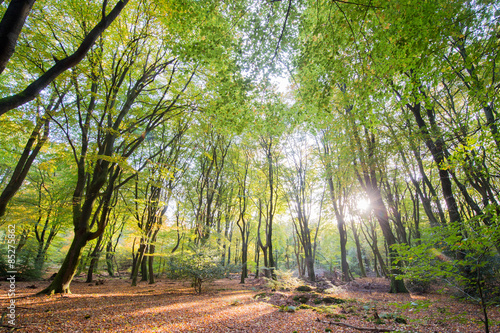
{"points": [[304, 288], [301, 299], [336, 316], [260, 295], [287, 308], [333, 300], [400, 320]]}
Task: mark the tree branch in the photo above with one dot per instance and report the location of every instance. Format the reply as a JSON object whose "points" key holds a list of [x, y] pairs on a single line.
{"points": [[10, 28], [14, 101]]}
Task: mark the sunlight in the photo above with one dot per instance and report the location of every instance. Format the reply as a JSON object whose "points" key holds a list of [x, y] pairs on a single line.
{"points": [[363, 204]]}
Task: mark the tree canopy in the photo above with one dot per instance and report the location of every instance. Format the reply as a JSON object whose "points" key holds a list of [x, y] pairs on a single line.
{"points": [[250, 133]]}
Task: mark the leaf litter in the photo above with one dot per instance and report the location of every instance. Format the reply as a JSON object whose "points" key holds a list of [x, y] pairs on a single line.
{"points": [[227, 306]]}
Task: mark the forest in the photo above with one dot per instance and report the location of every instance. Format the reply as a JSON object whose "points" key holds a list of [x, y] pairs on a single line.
{"points": [[292, 142]]}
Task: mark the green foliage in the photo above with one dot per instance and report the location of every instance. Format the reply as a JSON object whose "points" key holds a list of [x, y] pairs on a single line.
{"points": [[415, 306], [284, 281], [304, 288], [198, 265], [462, 258], [333, 300]]}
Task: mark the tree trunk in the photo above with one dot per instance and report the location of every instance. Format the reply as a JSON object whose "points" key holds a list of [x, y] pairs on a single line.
{"points": [[25, 161], [358, 250], [109, 259], [144, 266], [137, 263], [94, 259], [257, 259], [244, 259], [32, 91], [64, 276], [10, 28], [436, 147], [152, 247]]}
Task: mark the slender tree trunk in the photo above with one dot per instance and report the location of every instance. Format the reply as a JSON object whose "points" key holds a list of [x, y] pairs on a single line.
{"points": [[257, 259], [94, 259], [25, 161], [436, 147], [152, 247], [109, 258], [244, 259], [358, 250], [138, 263]]}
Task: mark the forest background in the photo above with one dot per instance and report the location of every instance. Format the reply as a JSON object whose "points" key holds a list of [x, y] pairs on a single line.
{"points": [[140, 137]]}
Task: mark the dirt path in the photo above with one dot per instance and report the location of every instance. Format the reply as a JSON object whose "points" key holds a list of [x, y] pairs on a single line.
{"points": [[227, 306]]}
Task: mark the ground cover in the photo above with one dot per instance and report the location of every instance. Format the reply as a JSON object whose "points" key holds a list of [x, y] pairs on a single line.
{"points": [[227, 306]]}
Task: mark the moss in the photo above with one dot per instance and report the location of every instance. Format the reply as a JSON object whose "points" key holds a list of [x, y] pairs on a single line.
{"points": [[304, 288], [336, 316], [333, 300], [260, 295]]}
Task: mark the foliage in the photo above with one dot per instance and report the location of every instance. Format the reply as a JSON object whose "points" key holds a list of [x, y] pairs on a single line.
{"points": [[463, 258], [464, 263], [284, 281], [198, 265]]}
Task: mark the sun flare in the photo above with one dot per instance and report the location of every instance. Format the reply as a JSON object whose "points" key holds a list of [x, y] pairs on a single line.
{"points": [[363, 204]]}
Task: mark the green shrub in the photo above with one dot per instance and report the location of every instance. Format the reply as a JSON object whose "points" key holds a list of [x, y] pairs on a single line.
{"points": [[284, 281], [198, 266]]}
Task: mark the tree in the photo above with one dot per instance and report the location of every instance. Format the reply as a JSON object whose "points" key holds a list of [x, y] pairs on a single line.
{"points": [[336, 173], [117, 135], [241, 169], [163, 174], [300, 193]]}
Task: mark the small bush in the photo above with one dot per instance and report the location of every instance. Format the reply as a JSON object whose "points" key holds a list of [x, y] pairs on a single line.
{"points": [[417, 285], [199, 266], [301, 299], [284, 281]]}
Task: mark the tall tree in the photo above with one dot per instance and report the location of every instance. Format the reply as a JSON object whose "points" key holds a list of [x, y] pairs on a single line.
{"points": [[122, 123]]}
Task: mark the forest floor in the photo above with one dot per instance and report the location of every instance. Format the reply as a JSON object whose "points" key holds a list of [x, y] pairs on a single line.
{"points": [[227, 306]]}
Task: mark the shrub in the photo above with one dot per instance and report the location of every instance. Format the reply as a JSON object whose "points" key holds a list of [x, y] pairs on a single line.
{"points": [[284, 281], [463, 257], [418, 286], [197, 265]]}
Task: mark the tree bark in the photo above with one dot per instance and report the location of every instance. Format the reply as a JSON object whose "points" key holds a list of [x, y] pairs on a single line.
{"points": [[94, 259], [358, 250], [25, 161], [64, 276], [10, 28]]}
